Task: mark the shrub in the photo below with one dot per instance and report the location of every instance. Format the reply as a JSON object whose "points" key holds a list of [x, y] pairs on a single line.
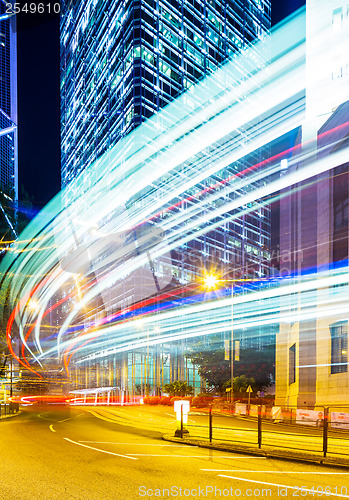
{"points": [[178, 388], [175, 398], [165, 400], [154, 400], [188, 398], [219, 401], [202, 401]]}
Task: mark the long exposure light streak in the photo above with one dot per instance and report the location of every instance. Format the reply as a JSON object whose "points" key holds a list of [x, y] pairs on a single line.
{"points": [[246, 307], [91, 229]]}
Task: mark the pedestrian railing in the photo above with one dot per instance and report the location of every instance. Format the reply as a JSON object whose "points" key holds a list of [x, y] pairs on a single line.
{"points": [[323, 431], [8, 409]]}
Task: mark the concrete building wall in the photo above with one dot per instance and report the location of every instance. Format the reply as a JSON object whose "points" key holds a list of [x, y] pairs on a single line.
{"points": [[307, 217]]}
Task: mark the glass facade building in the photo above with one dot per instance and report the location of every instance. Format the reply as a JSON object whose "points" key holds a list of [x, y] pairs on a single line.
{"points": [[121, 62], [8, 103]]}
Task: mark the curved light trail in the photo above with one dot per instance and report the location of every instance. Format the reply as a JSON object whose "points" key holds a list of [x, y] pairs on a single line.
{"points": [[97, 260]]}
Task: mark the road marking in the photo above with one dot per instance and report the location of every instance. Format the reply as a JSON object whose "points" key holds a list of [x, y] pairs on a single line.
{"points": [[273, 471], [51, 428], [183, 456], [97, 415], [45, 418], [140, 444], [278, 485], [102, 451], [65, 420]]}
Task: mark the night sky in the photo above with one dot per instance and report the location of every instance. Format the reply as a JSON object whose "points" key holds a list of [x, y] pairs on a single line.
{"points": [[38, 99]]}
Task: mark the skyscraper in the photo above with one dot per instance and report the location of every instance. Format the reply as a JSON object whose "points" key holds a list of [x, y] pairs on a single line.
{"points": [[121, 63], [8, 102]]}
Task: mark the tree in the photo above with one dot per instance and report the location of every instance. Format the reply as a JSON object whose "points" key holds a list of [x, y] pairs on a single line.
{"points": [[212, 367], [178, 388], [241, 383], [258, 364]]}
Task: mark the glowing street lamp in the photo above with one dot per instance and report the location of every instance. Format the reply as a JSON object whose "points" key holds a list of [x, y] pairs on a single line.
{"points": [[210, 281], [33, 305]]}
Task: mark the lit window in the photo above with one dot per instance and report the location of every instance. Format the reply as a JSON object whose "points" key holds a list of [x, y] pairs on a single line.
{"points": [[339, 347]]}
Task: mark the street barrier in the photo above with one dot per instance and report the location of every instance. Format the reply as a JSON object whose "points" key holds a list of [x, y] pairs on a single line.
{"points": [[8, 409], [316, 430]]}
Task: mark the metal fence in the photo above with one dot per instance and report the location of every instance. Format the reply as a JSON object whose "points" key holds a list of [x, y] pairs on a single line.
{"points": [[321, 430], [8, 409]]}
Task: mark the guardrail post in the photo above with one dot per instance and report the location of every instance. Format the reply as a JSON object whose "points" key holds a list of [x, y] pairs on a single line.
{"points": [[325, 432], [210, 425], [259, 426]]}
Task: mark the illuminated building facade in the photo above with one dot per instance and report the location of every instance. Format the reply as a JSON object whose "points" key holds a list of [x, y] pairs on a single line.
{"points": [[312, 356], [8, 103], [121, 62]]}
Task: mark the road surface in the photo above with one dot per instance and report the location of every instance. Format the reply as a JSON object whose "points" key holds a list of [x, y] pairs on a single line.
{"points": [[72, 453]]}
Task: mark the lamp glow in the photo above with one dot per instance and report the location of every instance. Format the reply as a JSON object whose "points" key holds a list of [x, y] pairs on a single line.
{"points": [[211, 281]]}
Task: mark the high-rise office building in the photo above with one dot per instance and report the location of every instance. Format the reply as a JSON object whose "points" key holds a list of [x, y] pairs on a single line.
{"points": [[8, 102], [122, 62]]}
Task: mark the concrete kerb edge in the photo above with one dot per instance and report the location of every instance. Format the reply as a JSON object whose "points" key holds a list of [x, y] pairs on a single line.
{"points": [[330, 462], [4, 417]]}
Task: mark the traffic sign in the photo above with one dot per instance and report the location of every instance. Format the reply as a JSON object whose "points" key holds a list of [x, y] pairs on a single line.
{"points": [[249, 389]]}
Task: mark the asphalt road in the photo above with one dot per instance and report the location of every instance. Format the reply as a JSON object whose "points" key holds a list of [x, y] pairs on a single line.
{"points": [[239, 430], [75, 453]]}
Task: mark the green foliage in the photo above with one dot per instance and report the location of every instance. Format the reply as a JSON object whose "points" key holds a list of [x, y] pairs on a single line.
{"points": [[178, 388], [241, 383], [259, 365], [212, 367], [202, 401], [253, 364]]}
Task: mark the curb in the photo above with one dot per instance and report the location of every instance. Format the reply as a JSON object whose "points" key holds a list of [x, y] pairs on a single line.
{"points": [[264, 452], [4, 417]]}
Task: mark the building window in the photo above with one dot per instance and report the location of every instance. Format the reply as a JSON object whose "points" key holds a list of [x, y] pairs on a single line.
{"points": [[339, 347], [292, 364], [341, 214]]}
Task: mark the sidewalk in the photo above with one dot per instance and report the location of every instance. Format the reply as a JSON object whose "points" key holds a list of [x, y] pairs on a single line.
{"points": [[3, 417]]}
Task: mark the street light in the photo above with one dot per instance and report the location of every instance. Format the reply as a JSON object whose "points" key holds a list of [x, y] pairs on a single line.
{"points": [[211, 281], [33, 305]]}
